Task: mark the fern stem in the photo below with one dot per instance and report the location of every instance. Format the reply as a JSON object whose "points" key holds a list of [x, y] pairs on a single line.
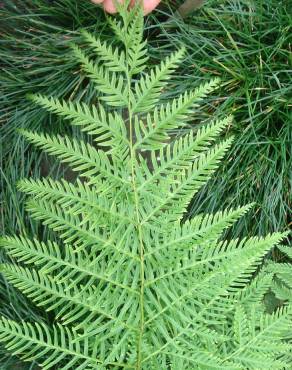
{"points": [[141, 253], [138, 227]]}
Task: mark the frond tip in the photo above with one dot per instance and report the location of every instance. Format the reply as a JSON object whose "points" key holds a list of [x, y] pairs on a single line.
{"points": [[129, 283]]}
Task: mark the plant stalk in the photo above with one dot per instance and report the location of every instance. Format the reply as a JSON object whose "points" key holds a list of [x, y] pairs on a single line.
{"points": [[188, 7]]}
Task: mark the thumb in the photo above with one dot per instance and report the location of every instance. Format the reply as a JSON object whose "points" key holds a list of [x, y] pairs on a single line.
{"points": [[148, 5]]}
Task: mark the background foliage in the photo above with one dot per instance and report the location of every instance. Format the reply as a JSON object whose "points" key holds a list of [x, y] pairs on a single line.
{"points": [[246, 43]]}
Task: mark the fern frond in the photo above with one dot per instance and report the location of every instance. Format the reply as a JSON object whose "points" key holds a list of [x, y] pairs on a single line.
{"points": [[197, 230], [55, 346], [111, 85], [181, 152], [154, 133], [81, 157], [286, 250], [282, 285], [68, 226], [147, 91], [181, 289], [222, 251], [132, 283], [270, 329], [282, 292], [76, 199], [190, 286], [85, 233], [200, 357], [241, 327], [108, 129], [130, 32], [73, 303], [137, 51], [33, 251], [254, 293], [187, 182], [50, 258], [112, 58]]}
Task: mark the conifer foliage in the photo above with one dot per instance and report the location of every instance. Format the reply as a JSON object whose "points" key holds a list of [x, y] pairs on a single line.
{"points": [[130, 283]]}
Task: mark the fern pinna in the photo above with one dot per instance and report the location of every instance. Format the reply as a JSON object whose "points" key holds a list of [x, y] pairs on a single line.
{"points": [[131, 284]]}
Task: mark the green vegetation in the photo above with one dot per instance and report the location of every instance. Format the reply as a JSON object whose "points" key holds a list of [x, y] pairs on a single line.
{"points": [[128, 283], [248, 45], [245, 43]]}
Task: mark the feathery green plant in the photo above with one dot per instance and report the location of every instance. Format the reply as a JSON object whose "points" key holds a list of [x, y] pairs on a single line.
{"points": [[131, 284], [247, 44]]}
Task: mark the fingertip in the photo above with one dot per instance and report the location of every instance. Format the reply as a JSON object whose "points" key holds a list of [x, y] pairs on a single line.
{"points": [[109, 6], [150, 5]]}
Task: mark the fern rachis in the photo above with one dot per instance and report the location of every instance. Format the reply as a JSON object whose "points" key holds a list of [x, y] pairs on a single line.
{"points": [[130, 285]]}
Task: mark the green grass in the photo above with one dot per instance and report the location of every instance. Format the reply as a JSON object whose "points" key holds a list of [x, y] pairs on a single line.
{"points": [[246, 43], [34, 51]]}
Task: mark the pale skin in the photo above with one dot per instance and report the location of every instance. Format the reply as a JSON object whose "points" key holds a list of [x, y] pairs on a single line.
{"points": [[109, 7]]}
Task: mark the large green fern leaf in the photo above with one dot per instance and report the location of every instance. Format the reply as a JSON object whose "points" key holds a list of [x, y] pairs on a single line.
{"points": [[128, 283]]}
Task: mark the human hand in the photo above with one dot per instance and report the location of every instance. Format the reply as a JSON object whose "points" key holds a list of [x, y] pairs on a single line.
{"points": [[108, 5]]}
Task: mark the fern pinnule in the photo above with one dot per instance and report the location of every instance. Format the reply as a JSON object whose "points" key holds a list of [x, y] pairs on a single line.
{"points": [[169, 117], [112, 58], [148, 89], [108, 129], [111, 85]]}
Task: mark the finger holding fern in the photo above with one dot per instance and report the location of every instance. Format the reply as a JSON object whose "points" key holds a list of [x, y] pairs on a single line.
{"points": [[110, 6]]}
